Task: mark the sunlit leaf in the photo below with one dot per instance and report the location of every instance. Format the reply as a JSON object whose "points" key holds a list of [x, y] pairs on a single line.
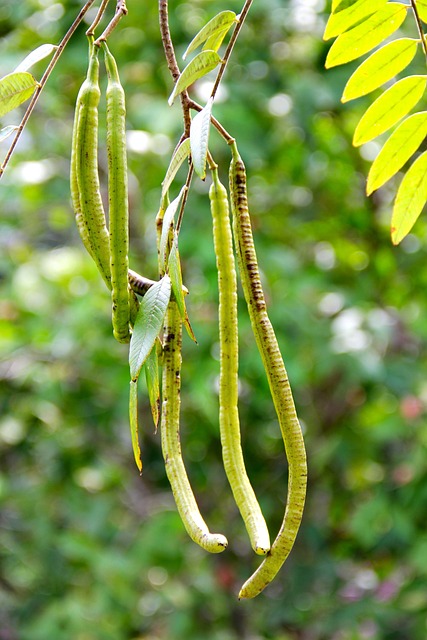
{"points": [[342, 19], [181, 153], [218, 25], [148, 323], [199, 139], [151, 368], [15, 88], [35, 56], [133, 421], [380, 67], [7, 131], [410, 199], [401, 145], [199, 66], [178, 290], [389, 108], [367, 35], [167, 223], [422, 9]]}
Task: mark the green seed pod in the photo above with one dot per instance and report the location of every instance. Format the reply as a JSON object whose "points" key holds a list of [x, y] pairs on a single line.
{"points": [[171, 446], [277, 380], [228, 383], [118, 199], [84, 179]]}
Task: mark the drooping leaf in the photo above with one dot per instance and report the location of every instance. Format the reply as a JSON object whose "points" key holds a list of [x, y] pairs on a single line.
{"points": [[214, 42], [168, 218], [151, 369], [422, 9], [380, 67], [15, 88], [35, 56], [7, 131], [389, 108], [397, 150], [199, 66], [148, 323], [133, 421], [199, 139], [410, 199], [175, 272], [367, 35], [181, 153], [342, 19], [220, 23]]}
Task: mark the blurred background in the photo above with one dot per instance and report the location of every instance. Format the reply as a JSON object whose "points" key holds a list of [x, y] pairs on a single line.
{"points": [[88, 549]]}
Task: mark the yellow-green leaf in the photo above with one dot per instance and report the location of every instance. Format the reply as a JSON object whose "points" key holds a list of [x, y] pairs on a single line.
{"points": [[199, 138], [133, 421], [422, 9], [410, 199], [401, 145], [367, 35], [167, 225], [199, 66], [380, 67], [151, 368], [179, 291], [342, 19], [180, 154], [216, 27], [15, 88], [389, 108]]}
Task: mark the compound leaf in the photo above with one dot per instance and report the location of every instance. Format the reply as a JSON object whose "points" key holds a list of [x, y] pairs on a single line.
{"points": [[410, 199], [343, 18]]}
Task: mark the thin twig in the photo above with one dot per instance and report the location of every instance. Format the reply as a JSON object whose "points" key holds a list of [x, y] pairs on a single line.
{"points": [[230, 46], [419, 26], [172, 62], [98, 18], [121, 10], [43, 81]]}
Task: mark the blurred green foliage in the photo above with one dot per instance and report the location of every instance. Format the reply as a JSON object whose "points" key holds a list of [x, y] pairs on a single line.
{"points": [[88, 549]]}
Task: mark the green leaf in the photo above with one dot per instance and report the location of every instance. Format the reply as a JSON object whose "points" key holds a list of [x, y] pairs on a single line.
{"points": [[35, 56], [151, 369], [380, 67], [199, 138], [422, 9], [389, 108], [199, 66], [7, 131], [401, 145], [214, 42], [133, 421], [367, 35], [219, 24], [15, 88], [342, 19], [410, 199], [174, 266], [180, 154], [148, 324], [167, 223]]}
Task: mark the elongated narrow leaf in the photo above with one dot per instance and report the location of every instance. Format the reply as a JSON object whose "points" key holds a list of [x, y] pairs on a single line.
{"points": [[389, 108], [199, 66], [380, 67], [214, 42], [220, 23], [148, 323], [400, 146], [151, 369], [15, 88], [175, 272], [422, 9], [133, 421], [167, 223], [35, 56], [181, 153], [367, 35], [343, 19], [7, 131], [410, 199], [199, 139]]}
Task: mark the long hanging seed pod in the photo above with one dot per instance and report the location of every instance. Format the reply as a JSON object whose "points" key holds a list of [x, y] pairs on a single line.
{"points": [[277, 380], [84, 179], [228, 385], [117, 199], [171, 447]]}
